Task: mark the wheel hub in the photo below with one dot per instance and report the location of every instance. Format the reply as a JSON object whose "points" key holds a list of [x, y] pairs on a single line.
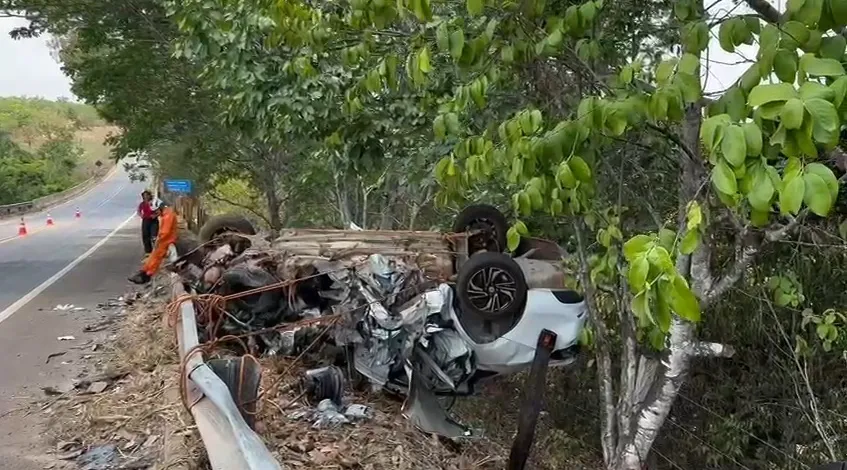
{"points": [[492, 290]]}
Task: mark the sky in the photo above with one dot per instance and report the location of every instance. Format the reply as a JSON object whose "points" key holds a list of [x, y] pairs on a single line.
{"points": [[27, 69]]}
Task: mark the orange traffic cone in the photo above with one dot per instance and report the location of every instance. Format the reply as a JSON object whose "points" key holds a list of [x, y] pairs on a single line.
{"points": [[49, 220], [77, 214], [22, 228]]}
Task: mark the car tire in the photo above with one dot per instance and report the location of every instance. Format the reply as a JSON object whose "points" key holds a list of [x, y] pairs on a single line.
{"points": [[491, 286], [487, 218], [225, 223]]}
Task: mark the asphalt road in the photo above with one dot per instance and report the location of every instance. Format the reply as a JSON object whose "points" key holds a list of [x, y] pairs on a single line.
{"points": [[82, 262], [26, 262]]}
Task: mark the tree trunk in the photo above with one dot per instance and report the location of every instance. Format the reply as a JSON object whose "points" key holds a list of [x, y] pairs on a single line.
{"points": [[664, 387], [274, 205], [386, 221]]}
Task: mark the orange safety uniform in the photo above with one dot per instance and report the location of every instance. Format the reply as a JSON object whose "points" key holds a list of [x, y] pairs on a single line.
{"points": [[166, 237]]}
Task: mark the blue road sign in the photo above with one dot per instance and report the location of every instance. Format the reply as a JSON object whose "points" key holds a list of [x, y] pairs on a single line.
{"points": [[178, 186]]}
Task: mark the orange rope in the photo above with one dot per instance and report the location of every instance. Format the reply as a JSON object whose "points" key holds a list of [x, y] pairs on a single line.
{"points": [[209, 304]]}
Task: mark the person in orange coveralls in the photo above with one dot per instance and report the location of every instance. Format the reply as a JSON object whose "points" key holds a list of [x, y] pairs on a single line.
{"points": [[166, 237]]}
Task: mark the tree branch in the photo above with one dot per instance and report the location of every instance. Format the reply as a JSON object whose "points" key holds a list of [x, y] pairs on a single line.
{"points": [[220, 198], [765, 10], [602, 351]]}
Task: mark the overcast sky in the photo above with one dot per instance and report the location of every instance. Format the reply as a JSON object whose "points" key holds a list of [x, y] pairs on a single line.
{"points": [[26, 68]]}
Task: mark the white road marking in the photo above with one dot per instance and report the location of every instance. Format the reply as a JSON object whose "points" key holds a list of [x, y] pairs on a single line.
{"points": [[11, 309]]}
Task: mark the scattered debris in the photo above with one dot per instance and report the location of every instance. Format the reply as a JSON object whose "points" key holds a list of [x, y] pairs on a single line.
{"points": [[103, 457], [55, 354], [97, 387], [68, 307], [71, 455]]}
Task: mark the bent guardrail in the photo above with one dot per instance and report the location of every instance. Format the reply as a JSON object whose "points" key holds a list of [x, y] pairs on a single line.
{"points": [[21, 208], [230, 443]]}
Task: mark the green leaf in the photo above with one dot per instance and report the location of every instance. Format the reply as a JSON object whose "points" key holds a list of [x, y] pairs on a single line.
{"points": [[791, 195], [513, 239], [785, 65], [475, 7], [825, 120], [763, 94], [693, 216], [736, 104], [842, 230], [710, 133], [660, 258], [817, 67], [451, 121], [690, 242], [724, 179], [795, 5], [637, 246], [833, 47], [753, 138], [769, 39], [457, 44], [688, 64], [565, 177], [580, 169], [791, 115], [626, 75], [640, 306], [816, 90], [439, 128], [442, 37], [839, 11], [733, 145], [663, 309], [587, 11], [817, 196], [827, 176], [794, 33], [725, 35], [637, 275], [424, 61], [761, 194], [521, 228], [664, 71], [667, 238], [839, 87], [683, 301]]}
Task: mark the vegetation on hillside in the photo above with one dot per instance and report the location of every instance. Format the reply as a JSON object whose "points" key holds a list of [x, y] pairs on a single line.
{"points": [[46, 146], [707, 231]]}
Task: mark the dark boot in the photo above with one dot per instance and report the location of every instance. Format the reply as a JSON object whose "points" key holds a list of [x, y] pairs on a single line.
{"points": [[140, 278]]}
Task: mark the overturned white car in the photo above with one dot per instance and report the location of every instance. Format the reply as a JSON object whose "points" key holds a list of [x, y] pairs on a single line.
{"points": [[419, 313]]}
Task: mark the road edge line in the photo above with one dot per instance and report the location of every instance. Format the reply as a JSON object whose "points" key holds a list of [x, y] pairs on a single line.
{"points": [[18, 304]]}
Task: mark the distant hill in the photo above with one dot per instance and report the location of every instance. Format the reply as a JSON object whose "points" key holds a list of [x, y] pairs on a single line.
{"points": [[47, 146]]}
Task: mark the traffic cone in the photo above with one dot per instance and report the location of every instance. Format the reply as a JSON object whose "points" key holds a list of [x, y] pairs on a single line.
{"points": [[49, 219], [77, 214], [22, 228]]}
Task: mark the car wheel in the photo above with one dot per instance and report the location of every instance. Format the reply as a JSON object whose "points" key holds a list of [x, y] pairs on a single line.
{"points": [[492, 286], [225, 223], [489, 221]]}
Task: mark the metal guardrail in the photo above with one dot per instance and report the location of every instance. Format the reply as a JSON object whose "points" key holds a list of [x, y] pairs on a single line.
{"points": [[229, 441], [22, 208]]}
